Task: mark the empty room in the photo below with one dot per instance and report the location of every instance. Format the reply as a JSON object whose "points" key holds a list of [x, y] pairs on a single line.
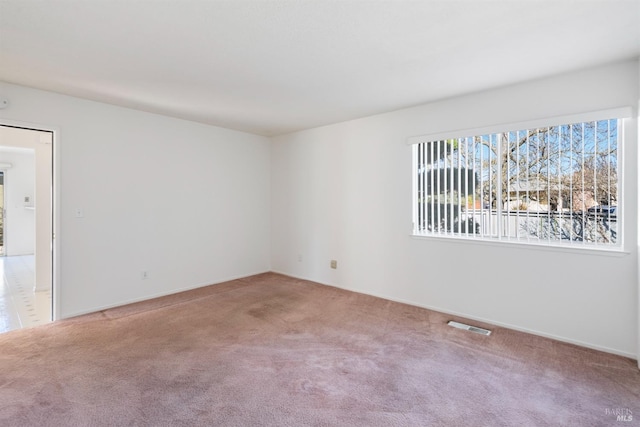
{"points": [[322, 213]]}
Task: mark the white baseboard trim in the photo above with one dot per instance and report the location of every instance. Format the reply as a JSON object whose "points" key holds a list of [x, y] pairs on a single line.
{"points": [[19, 254], [158, 295], [477, 318]]}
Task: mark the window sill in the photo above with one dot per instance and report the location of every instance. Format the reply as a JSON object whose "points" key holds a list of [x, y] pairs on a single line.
{"points": [[583, 250]]}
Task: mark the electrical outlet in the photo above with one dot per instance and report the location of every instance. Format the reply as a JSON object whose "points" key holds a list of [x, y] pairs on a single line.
{"points": [[334, 264], [144, 275]]}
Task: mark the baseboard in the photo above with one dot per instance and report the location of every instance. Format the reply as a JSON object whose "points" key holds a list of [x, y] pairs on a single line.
{"points": [[477, 318], [158, 295]]}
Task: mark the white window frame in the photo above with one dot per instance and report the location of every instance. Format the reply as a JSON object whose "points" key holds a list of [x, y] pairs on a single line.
{"points": [[622, 114]]}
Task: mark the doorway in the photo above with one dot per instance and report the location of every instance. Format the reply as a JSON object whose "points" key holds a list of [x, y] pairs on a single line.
{"points": [[26, 229], [2, 248]]}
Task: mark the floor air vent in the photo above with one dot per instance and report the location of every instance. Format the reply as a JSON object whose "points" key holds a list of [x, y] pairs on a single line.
{"points": [[469, 328]]}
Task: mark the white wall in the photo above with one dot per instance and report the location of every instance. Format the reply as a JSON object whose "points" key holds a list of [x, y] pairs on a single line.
{"points": [[187, 202], [344, 192], [43, 203], [19, 233]]}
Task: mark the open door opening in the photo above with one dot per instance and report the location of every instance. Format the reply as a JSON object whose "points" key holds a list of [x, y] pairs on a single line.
{"points": [[26, 229], [2, 252]]}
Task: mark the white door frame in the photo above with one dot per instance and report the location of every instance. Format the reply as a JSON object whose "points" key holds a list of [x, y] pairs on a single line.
{"points": [[3, 212], [55, 204]]}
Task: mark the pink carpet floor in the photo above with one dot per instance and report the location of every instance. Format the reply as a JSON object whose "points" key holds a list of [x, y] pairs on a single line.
{"points": [[270, 350]]}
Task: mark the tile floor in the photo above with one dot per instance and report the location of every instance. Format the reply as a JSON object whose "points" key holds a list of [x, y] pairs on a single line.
{"points": [[20, 306]]}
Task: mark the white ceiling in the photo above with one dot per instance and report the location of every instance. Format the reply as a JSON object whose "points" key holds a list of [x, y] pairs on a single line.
{"points": [[272, 67]]}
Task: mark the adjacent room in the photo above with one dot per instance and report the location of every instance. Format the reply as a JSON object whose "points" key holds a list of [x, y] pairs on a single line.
{"points": [[325, 212], [25, 227]]}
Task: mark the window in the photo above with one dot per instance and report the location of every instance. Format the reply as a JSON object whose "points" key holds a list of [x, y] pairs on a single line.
{"points": [[554, 185]]}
